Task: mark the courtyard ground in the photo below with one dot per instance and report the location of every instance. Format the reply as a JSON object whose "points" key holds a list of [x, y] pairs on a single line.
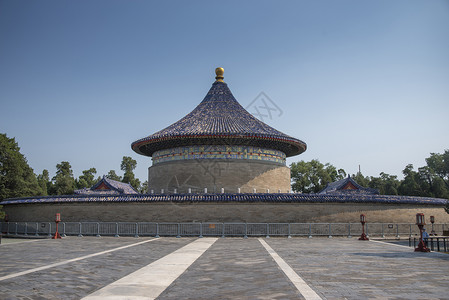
{"points": [[218, 268]]}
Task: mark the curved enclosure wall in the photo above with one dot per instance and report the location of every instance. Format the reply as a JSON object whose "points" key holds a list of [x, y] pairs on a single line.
{"points": [[224, 212], [215, 174]]}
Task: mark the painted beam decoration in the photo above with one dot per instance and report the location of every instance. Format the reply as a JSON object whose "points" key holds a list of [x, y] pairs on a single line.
{"points": [[219, 152]]}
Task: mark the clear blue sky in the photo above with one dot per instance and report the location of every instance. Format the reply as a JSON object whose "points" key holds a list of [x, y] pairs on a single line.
{"points": [[361, 82]]}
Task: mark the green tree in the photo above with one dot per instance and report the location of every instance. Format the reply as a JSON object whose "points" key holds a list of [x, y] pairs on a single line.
{"points": [[431, 184], [44, 182], [410, 185], [429, 181], [360, 179], [439, 188], [128, 165], [439, 166], [386, 184], [63, 182], [17, 178], [144, 187], [313, 176], [112, 175], [87, 179], [2, 214]]}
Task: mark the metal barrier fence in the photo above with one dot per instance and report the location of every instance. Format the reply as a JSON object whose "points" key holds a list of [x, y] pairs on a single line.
{"points": [[440, 244], [215, 229]]}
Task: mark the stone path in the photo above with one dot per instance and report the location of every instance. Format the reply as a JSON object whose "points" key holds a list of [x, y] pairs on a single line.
{"points": [[150, 281], [223, 268]]}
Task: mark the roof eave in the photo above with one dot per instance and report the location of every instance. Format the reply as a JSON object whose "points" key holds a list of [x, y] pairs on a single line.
{"points": [[299, 145]]}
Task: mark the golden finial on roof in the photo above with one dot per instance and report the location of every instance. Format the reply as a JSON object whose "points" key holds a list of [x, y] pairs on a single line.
{"points": [[219, 72]]}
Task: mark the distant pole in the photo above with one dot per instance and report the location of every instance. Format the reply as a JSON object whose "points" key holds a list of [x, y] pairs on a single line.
{"points": [[432, 220], [363, 237], [359, 170], [57, 220]]}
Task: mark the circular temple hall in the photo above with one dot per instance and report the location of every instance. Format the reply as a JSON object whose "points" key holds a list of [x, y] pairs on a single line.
{"points": [[218, 147]]}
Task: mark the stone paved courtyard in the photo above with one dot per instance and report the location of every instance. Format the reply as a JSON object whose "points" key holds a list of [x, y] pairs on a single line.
{"points": [[230, 268]]}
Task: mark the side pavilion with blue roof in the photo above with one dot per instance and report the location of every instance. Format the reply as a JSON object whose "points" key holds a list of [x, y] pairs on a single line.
{"points": [[108, 186], [347, 186]]}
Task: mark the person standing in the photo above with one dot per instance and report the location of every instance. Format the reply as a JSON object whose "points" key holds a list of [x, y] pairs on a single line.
{"points": [[425, 236]]}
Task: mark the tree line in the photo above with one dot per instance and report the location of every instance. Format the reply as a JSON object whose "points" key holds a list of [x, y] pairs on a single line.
{"points": [[17, 178], [431, 180], [63, 183]]}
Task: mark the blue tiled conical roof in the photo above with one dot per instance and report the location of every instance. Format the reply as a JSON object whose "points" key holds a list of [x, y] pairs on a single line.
{"points": [[219, 119]]}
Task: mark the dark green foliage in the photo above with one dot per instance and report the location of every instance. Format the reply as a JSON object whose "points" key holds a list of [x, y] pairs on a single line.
{"points": [[431, 180], [411, 184], [439, 165], [313, 176], [427, 181], [128, 165], [63, 182], [17, 179], [112, 175], [144, 187], [386, 184], [360, 179], [86, 180], [44, 182]]}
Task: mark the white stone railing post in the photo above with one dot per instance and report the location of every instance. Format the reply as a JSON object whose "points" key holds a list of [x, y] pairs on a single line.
{"points": [[98, 230], [80, 230]]}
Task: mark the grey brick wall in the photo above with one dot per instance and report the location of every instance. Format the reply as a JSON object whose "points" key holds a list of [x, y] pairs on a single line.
{"points": [[215, 175]]}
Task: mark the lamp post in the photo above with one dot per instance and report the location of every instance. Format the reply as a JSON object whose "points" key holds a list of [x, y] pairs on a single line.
{"points": [[363, 237], [432, 220], [57, 220], [420, 222]]}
